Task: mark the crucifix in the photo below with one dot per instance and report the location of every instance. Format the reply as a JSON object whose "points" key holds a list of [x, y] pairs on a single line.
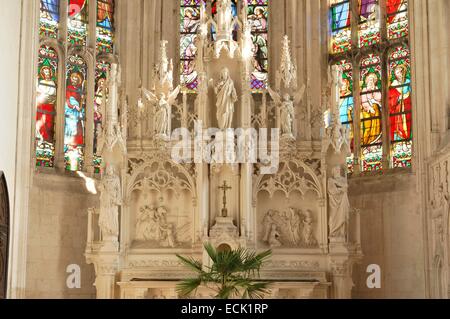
{"points": [[225, 188]]}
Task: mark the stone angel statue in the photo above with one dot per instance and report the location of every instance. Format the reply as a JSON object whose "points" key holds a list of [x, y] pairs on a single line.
{"points": [[163, 110], [287, 110]]}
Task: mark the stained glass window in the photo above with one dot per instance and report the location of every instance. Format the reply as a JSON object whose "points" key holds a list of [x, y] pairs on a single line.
{"points": [[77, 23], [49, 19], [400, 107], [371, 113], [397, 18], [46, 100], [190, 21], [369, 22], [75, 107], [340, 20], [384, 110], [105, 25], [346, 108], [75, 113], [258, 14], [101, 72]]}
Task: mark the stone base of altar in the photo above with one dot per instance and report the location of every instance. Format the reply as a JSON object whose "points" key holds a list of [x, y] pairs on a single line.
{"points": [[278, 290]]}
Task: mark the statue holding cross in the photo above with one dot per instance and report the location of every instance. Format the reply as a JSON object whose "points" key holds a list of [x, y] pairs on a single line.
{"points": [[224, 188]]}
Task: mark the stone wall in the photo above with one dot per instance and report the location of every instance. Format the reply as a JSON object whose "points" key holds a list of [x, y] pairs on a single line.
{"points": [[391, 235], [57, 237]]}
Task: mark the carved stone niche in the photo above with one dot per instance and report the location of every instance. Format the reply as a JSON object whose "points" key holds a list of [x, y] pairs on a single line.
{"points": [[288, 210], [161, 209]]}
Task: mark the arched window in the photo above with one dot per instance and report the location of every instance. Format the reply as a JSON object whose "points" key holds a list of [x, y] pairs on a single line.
{"points": [[75, 113], [258, 15], [80, 99], [372, 49], [46, 100]]}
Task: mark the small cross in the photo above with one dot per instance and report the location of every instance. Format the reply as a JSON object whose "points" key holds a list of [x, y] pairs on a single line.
{"points": [[225, 188]]}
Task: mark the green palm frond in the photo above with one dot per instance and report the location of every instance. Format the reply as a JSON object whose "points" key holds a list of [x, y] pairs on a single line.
{"points": [[212, 252], [191, 263], [232, 274], [188, 286]]}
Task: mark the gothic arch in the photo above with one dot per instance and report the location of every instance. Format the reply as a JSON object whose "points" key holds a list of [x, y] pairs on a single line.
{"points": [[293, 176], [177, 178]]}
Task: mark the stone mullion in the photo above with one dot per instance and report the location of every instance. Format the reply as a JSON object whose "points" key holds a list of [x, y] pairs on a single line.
{"points": [[60, 115], [384, 54], [385, 112], [90, 93]]}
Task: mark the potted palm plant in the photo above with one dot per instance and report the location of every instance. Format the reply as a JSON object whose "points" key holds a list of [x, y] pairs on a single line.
{"points": [[232, 274]]}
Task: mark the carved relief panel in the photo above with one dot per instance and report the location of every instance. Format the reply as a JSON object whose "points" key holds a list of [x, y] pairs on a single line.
{"points": [[160, 206], [288, 214]]}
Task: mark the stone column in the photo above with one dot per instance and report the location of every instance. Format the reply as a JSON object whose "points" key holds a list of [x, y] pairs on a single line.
{"points": [[106, 268], [341, 276]]}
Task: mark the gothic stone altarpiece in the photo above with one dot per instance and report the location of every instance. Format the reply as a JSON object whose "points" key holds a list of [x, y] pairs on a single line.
{"points": [[153, 207]]}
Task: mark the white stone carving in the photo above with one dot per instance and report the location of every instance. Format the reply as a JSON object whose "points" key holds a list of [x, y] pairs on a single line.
{"points": [[226, 98], [163, 111], [115, 132], [162, 97], [292, 176], [339, 205], [110, 201], [308, 230], [152, 225], [287, 111], [224, 24], [291, 228], [286, 81], [287, 74], [336, 135]]}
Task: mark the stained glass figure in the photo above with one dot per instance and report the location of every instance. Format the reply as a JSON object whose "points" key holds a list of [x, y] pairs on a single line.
{"points": [[105, 26], [77, 23], [49, 19], [190, 21], [400, 110], [46, 99], [258, 16], [371, 113], [75, 113]]}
